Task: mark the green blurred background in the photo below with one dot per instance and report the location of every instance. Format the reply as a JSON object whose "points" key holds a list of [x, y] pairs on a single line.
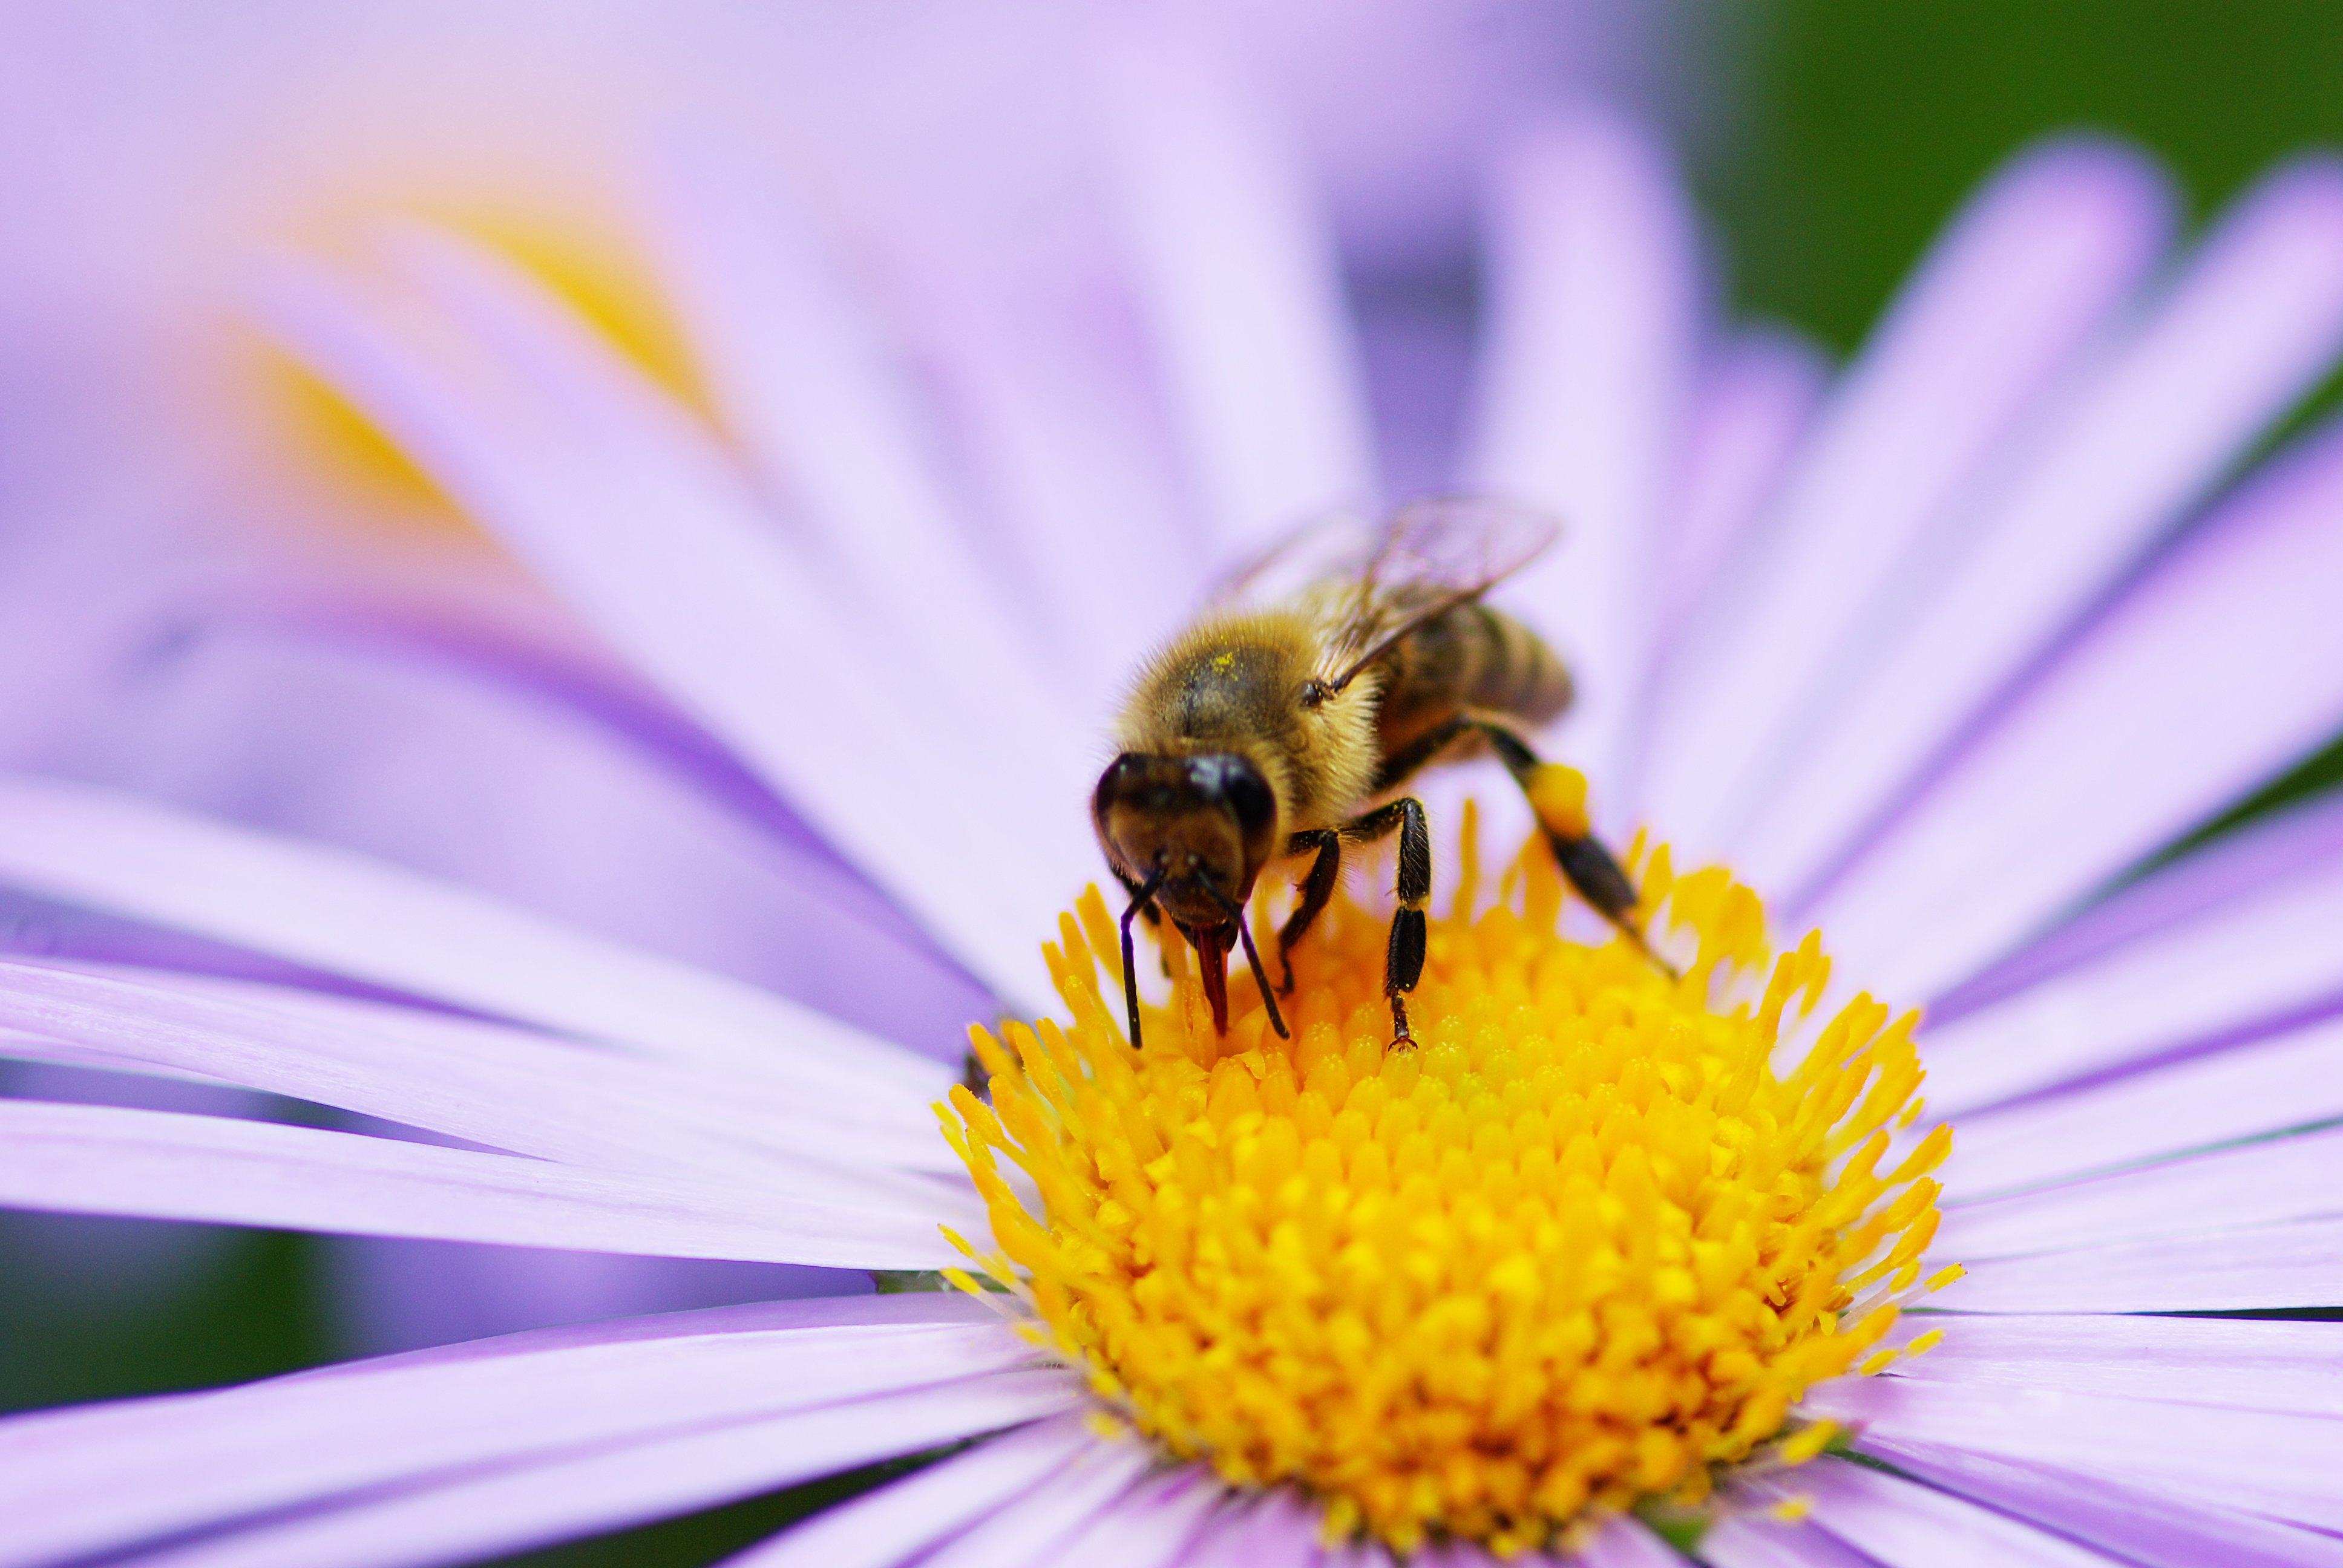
{"points": [[1856, 127]]}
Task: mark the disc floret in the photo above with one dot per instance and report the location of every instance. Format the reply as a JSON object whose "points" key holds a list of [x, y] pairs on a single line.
{"points": [[1579, 1249]]}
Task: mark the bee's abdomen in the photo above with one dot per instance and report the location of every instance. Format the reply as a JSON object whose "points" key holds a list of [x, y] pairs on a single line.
{"points": [[1473, 656]]}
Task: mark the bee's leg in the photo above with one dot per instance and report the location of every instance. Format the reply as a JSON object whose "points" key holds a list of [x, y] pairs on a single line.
{"points": [[1154, 916], [1557, 795], [1404, 959], [1317, 892]]}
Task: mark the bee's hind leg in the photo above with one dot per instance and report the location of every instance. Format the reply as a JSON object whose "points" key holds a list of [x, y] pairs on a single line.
{"points": [[1404, 959], [1317, 892], [1557, 796]]}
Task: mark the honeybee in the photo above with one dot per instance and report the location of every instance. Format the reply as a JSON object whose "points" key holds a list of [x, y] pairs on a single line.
{"points": [[1283, 731]]}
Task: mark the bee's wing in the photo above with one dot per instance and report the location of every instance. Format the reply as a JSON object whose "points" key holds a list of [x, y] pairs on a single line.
{"points": [[1329, 548], [1434, 556]]}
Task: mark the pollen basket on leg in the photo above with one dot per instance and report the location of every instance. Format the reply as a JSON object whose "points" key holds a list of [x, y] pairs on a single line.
{"points": [[1580, 1247]]}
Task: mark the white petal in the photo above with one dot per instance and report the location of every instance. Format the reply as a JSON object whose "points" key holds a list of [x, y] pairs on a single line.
{"points": [[105, 1159], [1587, 371]]}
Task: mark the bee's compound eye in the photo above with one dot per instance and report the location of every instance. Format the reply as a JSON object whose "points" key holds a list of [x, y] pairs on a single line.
{"points": [[1116, 781], [1239, 784]]}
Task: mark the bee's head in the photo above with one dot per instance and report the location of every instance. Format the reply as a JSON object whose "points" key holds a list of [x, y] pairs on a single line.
{"points": [[1208, 823]]}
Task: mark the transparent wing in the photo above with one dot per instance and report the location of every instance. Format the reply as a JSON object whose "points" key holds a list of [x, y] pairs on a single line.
{"points": [[1335, 546], [1434, 556]]}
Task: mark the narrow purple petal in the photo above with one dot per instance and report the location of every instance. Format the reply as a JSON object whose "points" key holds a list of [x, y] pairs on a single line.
{"points": [[1913, 1527], [568, 455], [491, 1510], [2286, 1265], [2231, 1363], [2280, 1465], [82, 1480], [2138, 1525], [1038, 1522], [1747, 1540], [530, 1093], [105, 1159], [2079, 778], [2302, 840], [896, 1522], [2265, 1183], [1749, 412], [2246, 1091], [1151, 1525], [1237, 282], [2248, 329], [341, 912], [1275, 1530], [2239, 969], [800, 360], [2030, 273], [1587, 367]]}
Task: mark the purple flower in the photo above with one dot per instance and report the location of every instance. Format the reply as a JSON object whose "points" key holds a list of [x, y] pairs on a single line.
{"points": [[1927, 649]]}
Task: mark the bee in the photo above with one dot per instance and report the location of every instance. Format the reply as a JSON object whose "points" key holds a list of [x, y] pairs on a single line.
{"points": [[1285, 729]]}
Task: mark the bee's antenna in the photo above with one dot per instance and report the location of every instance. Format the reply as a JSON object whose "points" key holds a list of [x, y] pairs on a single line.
{"points": [[1139, 900], [1260, 977]]}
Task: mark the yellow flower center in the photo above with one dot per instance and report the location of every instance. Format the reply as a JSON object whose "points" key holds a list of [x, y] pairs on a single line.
{"points": [[1580, 1246]]}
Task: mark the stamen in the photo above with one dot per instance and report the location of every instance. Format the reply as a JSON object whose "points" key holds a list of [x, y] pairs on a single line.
{"points": [[1581, 1249]]}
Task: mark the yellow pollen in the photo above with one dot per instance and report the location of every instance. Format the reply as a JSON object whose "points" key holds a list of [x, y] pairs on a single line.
{"points": [[1578, 1249]]}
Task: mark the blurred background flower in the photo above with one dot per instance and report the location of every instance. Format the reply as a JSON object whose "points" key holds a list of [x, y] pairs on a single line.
{"points": [[232, 596]]}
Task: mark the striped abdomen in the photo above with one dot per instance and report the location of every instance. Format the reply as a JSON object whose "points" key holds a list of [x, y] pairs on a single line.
{"points": [[1473, 656]]}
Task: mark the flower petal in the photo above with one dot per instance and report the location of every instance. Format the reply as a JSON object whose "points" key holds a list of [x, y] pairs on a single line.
{"points": [[340, 912], [1238, 283], [1151, 1524], [1749, 1539], [2247, 330], [82, 1480], [2282, 1179], [2289, 1265], [614, 498], [1913, 1527], [2235, 970], [800, 362], [1255, 1531], [2030, 272], [105, 1159], [2280, 1465], [2140, 1525], [1749, 413], [2079, 776], [531, 1093], [632, 1482], [896, 1522], [2244, 1092], [1587, 370], [1036, 1523], [2235, 1363]]}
